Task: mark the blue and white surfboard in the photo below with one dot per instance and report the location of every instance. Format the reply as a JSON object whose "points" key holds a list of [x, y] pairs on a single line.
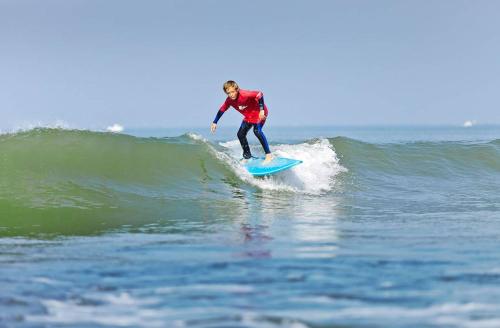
{"points": [[256, 167]]}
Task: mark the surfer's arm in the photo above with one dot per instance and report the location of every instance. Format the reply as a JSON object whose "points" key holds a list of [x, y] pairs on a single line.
{"points": [[260, 99], [218, 116], [213, 127], [221, 111]]}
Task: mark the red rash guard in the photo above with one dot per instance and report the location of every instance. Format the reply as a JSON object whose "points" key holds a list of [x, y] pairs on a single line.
{"points": [[247, 104]]}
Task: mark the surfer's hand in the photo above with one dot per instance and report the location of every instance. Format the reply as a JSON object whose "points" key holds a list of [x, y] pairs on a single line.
{"points": [[262, 115], [213, 127]]}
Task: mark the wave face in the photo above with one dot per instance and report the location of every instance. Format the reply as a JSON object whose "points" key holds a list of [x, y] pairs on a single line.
{"points": [[86, 181], [71, 181], [414, 178], [438, 159]]}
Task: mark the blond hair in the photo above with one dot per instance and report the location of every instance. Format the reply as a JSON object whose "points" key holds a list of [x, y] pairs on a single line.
{"points": [[230, 84]]}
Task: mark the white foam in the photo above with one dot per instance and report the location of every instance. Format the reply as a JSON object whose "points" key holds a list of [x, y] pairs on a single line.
{"points": [[58, 124], [469, 123], [254, 320], [115, 128], [446, 314], [27, 126], [46, 281], [196, 137], [233, 146], [123, 309], [118, 310], [315, 175]]}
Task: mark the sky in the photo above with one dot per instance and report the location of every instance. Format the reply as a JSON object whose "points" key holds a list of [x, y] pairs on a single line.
{"points": [[91, 64]]}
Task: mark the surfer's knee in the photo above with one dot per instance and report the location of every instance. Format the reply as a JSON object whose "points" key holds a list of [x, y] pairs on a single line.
{"points": [[257, 131], [241, 134]]}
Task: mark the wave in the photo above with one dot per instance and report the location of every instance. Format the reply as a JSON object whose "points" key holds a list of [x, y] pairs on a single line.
{"points": [[75, 181], [442, 159], [84, 181], [72, 180], [316, 175]]}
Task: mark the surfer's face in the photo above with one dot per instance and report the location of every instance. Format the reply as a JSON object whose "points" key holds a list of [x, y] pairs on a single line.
{"points": [[232, 93]]}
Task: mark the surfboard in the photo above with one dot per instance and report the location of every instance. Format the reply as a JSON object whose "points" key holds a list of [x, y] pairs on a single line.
{"points": [[256, 167]]}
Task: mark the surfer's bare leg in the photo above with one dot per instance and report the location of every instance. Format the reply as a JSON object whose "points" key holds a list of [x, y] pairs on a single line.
{"points": [[269, 158]]}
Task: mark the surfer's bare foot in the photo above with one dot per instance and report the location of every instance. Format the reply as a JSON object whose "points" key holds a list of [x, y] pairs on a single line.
{"points": [[268, 159]]}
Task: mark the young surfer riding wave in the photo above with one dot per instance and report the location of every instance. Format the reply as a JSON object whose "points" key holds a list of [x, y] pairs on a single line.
{"points": [[251, 105]]}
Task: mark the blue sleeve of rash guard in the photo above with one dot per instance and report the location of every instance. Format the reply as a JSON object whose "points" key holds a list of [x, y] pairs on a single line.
{"points": [[218, 116], [261, 102]]}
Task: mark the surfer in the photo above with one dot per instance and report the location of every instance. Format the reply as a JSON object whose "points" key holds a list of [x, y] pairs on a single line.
{"points": [[251, 105]]}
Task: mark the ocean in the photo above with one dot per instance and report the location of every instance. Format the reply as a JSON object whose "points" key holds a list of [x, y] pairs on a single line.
{"points": [[386, 226]]}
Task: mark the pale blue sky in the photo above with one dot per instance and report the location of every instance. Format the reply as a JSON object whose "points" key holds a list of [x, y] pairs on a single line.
{"points": [[162, 63]]}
